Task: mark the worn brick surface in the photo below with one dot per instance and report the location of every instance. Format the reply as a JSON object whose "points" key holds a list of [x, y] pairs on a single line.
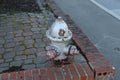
{"points": [[81, 71], [28, 75], [75, 75], [58, 73], [51, 75], [5, 76], [13, 76], [68, 72], [20, 75], [36, 74]]}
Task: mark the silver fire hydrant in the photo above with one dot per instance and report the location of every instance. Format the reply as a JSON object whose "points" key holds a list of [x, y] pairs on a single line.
{"points": [[60, 37]]}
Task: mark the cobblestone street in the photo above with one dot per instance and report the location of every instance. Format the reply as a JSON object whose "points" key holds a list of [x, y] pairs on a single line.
{"points": [[23, 40]]}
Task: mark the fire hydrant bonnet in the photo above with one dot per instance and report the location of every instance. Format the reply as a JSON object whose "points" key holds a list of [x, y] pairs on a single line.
{"points": [[59, 31]]}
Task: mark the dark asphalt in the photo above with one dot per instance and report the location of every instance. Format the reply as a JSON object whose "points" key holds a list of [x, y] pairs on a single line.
{"points": [[101, 27]]}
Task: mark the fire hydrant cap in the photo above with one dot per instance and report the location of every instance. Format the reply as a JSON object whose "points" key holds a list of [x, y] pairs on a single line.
{"points": [[59, 31]]}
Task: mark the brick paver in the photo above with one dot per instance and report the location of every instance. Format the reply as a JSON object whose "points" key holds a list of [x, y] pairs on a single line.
{"points": [[70, 72]]}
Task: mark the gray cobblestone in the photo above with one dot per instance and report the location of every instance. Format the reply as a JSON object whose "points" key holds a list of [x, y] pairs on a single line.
{"points": [[29, 66], [30, 51], [9, 23], [9, 49], [1, 60], [19, 38], [9, 60], [2, 29], [26, 29], [31, 57], [2, 50], [3, 69], [35, 29], [40, 45], [26, 22], [37, 36], [18, 43], [40, 60], [46, 40], [22, 39], [9, 55], [9, 36], [29, 61], [31, 15], [29, 45], [20, 57], [33, 19], [9, 29], [1, 45], [2, 41], [0, 56], [19, 48], [27, 33], [18, 33], [19, 52], [9, 40], [40, 50], [9, 45], [46, 64], [40, 65], [16, 63], [4, 65], [40, 20], [3, 33], [34, 25], [41, 53], [38, 40], [28, 37], [43, 31], [29, 41]]}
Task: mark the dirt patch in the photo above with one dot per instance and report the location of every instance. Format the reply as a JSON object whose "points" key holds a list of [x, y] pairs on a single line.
{"points": [[18, 5]]}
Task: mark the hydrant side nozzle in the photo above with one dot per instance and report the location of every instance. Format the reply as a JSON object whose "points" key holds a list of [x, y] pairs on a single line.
{"points": [[51, 54], [73, 50]]}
